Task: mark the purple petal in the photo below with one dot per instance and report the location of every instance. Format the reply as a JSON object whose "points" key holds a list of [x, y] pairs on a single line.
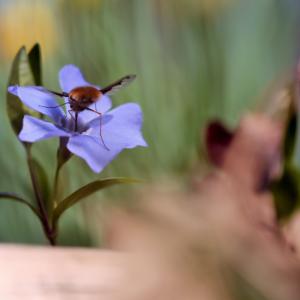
{"points": [[35, 129], [13, 89], [102, 106], [92, 151], [71, 77], [123, 130], [36, 98]]}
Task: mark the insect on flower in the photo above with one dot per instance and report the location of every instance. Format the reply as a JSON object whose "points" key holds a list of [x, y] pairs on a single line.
{"points": [[80, 98], [121, 125]]}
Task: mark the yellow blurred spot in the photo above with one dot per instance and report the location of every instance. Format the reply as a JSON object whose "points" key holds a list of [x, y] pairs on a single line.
{"points": [[24, 24]]}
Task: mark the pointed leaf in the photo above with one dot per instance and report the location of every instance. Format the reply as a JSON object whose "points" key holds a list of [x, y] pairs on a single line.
{"points": [[14, 197], [86, 191], [15, 108], [23, 69], [34, 57], [21, 74]]}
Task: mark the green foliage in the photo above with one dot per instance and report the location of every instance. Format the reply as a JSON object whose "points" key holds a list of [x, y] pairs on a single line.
{"points": [[20, 73], [13, 197], [42, 180], [86, 191], [286, 193], [35, 61], [290, 138], [26, 70], [286, 190]]}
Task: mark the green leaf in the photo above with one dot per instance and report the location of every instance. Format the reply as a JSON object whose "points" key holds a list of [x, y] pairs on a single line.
{"points": [[34, 57], [286, 189], [20, 74], [15, 109], [86, 191], [23, 69], [290, 136], [11, 196], [286, 192]]}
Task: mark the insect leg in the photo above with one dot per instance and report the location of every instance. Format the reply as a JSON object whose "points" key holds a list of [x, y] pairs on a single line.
{"points": [[100, 119], [74, 118], [76, 121], [69, 111]]}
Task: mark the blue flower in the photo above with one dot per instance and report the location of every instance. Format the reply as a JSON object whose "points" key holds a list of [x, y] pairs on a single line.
{"points": [[121, 127]]}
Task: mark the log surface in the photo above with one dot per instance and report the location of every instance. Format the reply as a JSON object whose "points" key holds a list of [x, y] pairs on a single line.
{"points": [[61, 273]]}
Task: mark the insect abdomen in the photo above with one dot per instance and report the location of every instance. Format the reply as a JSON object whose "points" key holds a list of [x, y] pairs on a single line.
{"points": [[82, 97]]}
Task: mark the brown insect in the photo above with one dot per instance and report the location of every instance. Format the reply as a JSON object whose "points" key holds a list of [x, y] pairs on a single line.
{"points": [[80, 98]]}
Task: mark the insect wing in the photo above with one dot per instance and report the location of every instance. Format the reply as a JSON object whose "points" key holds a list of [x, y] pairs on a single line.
{"points": [[119, 84], [62, 94]]}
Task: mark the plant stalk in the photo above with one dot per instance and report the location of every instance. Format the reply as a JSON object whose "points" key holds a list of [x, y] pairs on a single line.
{"points": [[51, 236]]}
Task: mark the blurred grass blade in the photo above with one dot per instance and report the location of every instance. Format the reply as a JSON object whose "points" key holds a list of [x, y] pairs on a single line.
{"points": [[86, 191], [34, 57], [13, 197], [20, 74]]}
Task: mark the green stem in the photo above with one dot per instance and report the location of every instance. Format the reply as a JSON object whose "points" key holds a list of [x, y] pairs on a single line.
{"points": [[39, 199], [63, 155], [55, 186]]}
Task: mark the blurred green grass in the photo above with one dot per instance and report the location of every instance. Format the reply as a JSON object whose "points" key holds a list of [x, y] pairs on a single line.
{"points": [[192, 65]]}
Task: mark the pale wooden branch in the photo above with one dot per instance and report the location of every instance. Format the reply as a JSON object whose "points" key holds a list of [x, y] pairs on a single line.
{"points": [[62, 273]]}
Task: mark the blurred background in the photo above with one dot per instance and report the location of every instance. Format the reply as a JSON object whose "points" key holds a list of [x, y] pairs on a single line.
{"points": [[196, 60]]}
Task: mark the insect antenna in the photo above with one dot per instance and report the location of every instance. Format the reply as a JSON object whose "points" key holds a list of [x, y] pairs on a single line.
{"points": [[63, 94], [55, 106]]}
